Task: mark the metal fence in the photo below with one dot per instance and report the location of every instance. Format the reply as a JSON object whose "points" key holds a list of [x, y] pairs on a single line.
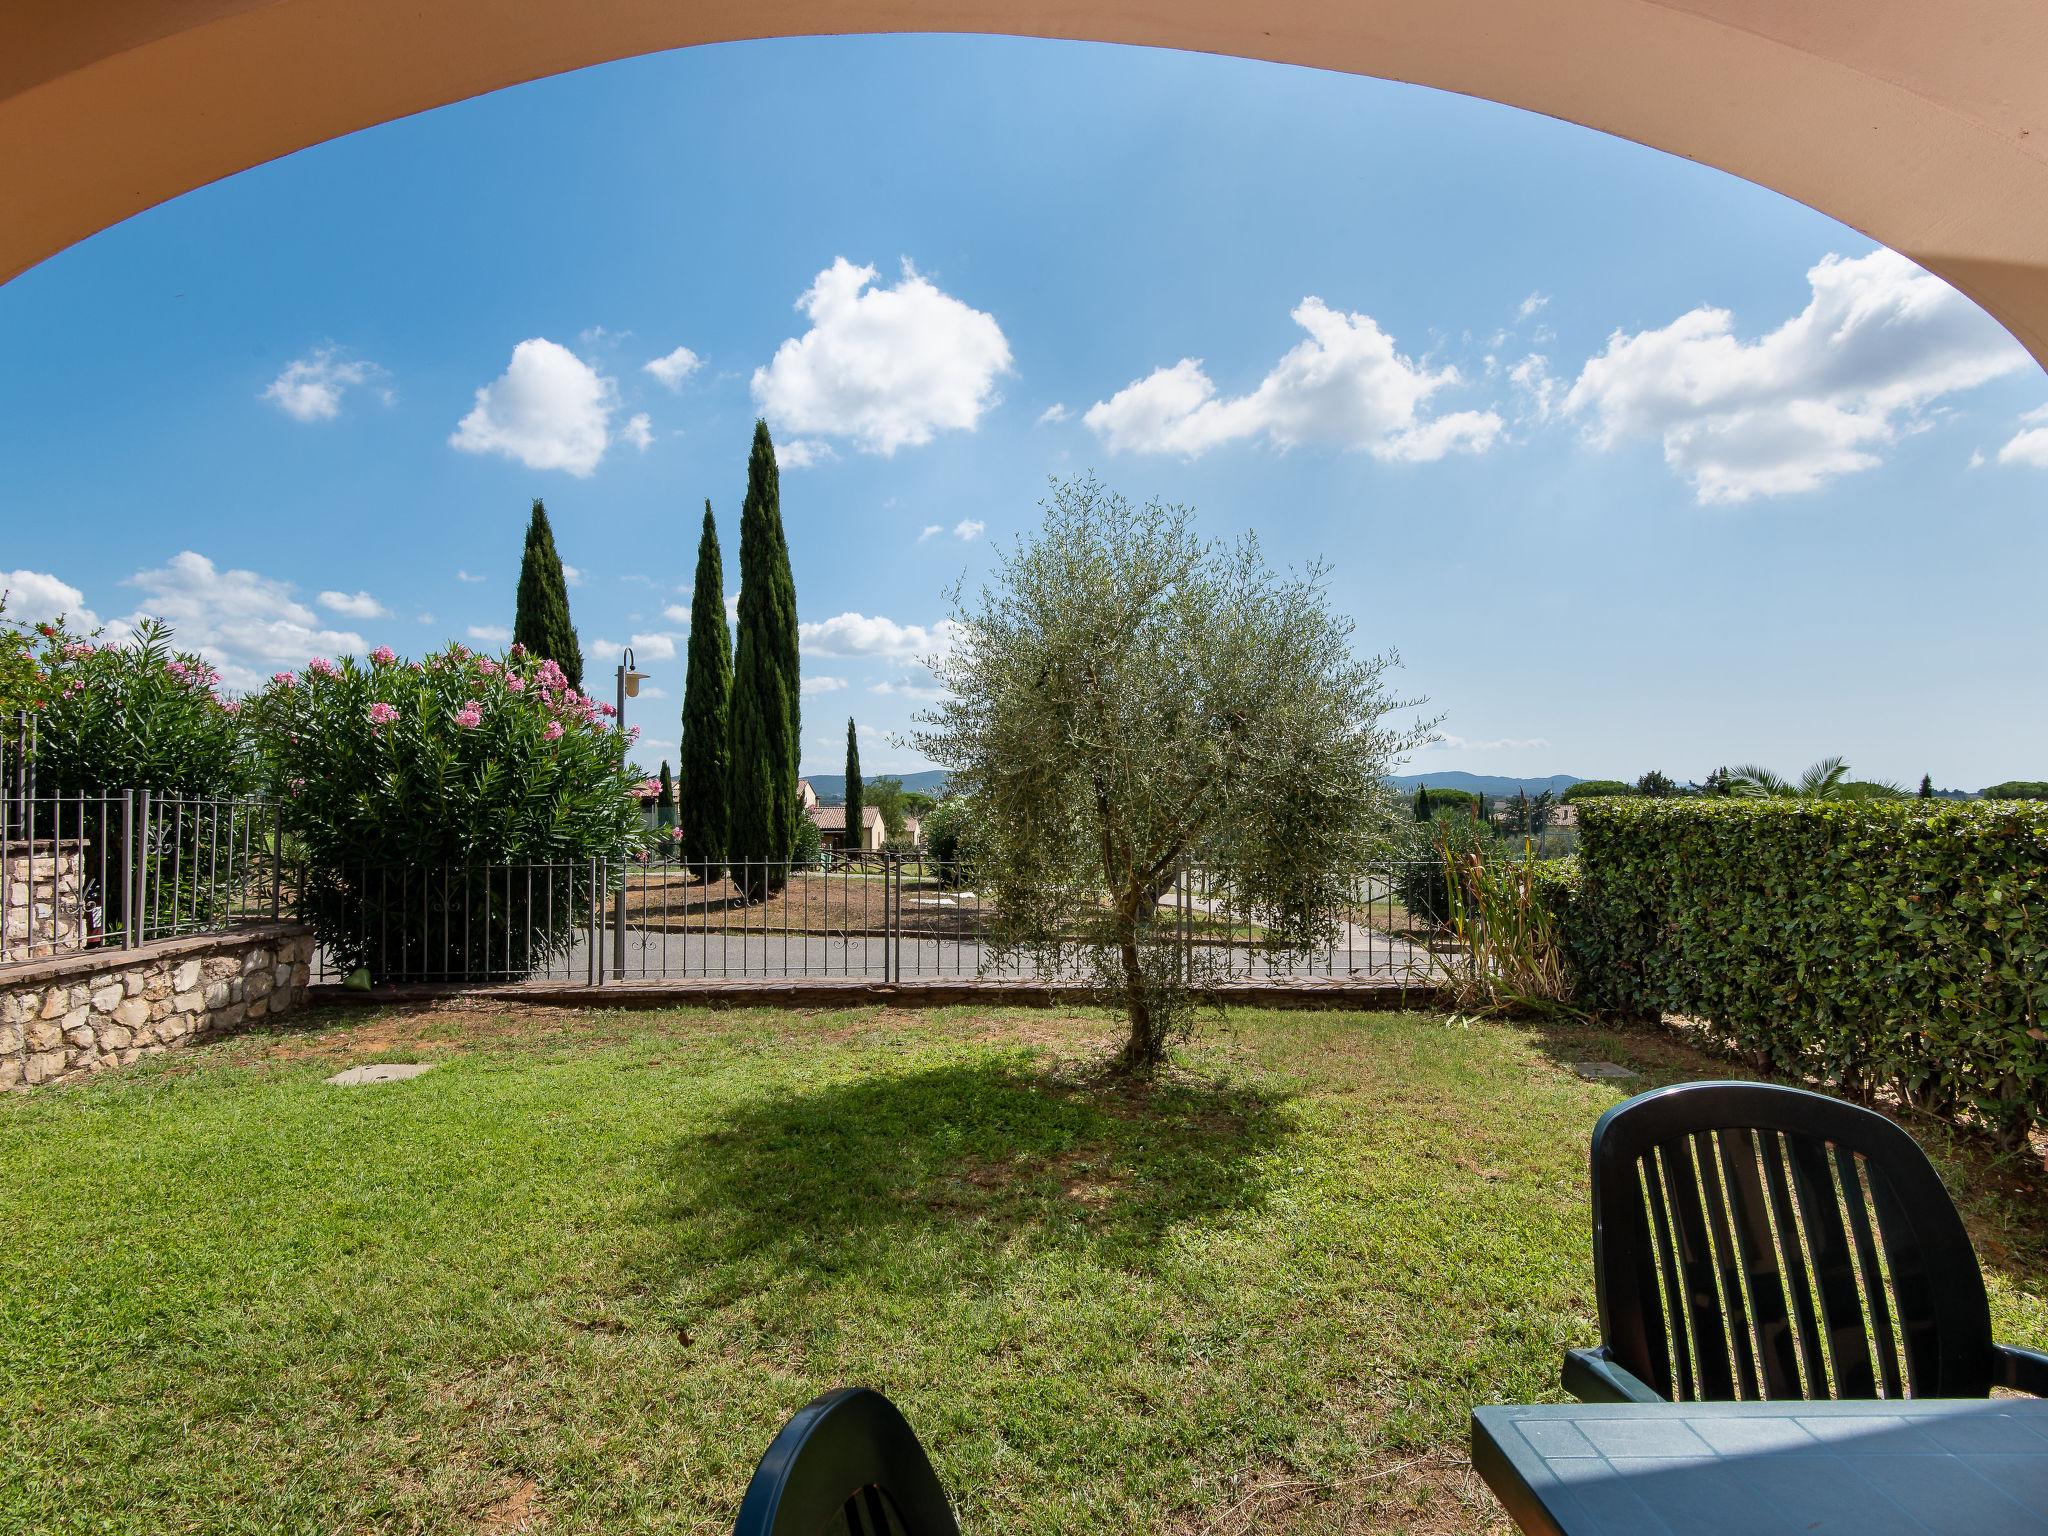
{"points": [[886, 917]]}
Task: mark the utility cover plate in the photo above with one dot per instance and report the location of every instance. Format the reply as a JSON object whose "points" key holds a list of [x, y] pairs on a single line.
{"points": [[379, 1072], [1604, 1071]]}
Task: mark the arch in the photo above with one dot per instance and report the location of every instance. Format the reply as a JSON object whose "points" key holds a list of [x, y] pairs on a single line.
{"points": [[1924, 126]]}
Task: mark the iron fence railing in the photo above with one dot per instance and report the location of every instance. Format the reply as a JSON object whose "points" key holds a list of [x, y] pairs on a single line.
{"points": [[895, 917]]}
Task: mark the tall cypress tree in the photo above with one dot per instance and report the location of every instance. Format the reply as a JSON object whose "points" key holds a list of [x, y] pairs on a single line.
{"points": [[707, 692], [1926, 786], [854, 789], [541, 620], [764, 718], [1422, 802], [665, 802]]}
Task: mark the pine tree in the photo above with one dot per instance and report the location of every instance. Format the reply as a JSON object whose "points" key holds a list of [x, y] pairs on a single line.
{"points": [[541, 620], [665, 802], [1926, 786], [855, 806], [707, 694], [765, 717]]}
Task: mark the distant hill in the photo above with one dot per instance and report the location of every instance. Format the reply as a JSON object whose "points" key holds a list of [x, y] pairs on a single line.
{"points": [[831, 787], [1475, 783]]}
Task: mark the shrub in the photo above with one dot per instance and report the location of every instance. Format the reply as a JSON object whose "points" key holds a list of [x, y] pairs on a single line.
{"points": [[947, 832], [404, 782], [1511, 915], [1438, 801], [808, 851], [1423, 883], [1588, 789], [1899, 943], [136, 716]]}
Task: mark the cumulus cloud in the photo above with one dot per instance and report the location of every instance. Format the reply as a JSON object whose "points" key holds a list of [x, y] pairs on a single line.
{"points": [[929, 531], [358, 605], [36, 597], [548, 410], [2029, 445], [652, 647], [638, 431], [1054, 414], [464, 576], [1344, 387], [1532, 381], [822, 684], [572, 575], [886, 367], [1821, 396], [803, 453], [671, 368], [969, 529], [1531, 305], [246, 624], [855, 634], [922, 692], [310, 388], [491, 634]]}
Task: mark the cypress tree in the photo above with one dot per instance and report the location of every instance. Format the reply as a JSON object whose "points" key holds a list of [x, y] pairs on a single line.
{"points": [[665, 802], [541, 620], [854, 789], [764, 718], [1926, 786], [707, 692], [1422, 802]]}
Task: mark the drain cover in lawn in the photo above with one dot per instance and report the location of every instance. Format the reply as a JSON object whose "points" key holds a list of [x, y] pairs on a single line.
{"points": [[1604, 1071], [379, 1072]]}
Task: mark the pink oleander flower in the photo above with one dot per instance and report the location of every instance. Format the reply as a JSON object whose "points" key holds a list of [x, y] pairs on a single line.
{"points": [[284, 679], [383, 714], [553, 731], [231, 706], [79, 648], [417, 666], [383, 656], [551, 675], [470, 716], [323, 667], [297, 785], [632, 733], [515, 683], [179, 670], [517, 649], [607, 710], [74, 686]]}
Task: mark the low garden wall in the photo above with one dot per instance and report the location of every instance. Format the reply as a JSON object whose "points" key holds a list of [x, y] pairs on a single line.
{"points": [[42, 898], [1866, 945], [75, 1014]]}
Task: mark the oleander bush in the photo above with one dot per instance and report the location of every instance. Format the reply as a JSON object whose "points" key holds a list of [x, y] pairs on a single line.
{"points": [[449, 809], [1865, 945]]}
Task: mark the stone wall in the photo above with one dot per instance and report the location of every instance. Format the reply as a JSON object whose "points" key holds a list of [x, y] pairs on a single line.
{"points": [[65, 1017], [42, 899]]}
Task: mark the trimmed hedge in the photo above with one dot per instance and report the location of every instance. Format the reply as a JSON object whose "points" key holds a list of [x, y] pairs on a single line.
{"points": [[1861, 944]]}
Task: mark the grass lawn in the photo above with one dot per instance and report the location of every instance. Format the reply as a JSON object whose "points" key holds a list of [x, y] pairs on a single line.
{"points": [[573, 1279]]}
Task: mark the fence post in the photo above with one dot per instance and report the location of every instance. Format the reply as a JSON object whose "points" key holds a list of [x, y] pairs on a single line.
{"points": [[592, 941], [138, 854], [128, 868], [896, 921], [277, 861], [619, 925]]}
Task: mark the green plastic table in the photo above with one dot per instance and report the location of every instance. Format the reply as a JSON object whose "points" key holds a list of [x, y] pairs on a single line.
{"points": [[1916, 1467]]}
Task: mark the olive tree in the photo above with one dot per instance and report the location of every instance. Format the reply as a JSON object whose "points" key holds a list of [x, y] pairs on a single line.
{"points": [[1125, 700]]}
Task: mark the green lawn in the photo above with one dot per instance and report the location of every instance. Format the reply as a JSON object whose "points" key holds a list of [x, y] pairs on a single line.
{"points": [[574, 1278]]}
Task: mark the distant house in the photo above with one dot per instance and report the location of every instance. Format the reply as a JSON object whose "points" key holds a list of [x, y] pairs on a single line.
{"points": [[806, 796], [830, 820]]}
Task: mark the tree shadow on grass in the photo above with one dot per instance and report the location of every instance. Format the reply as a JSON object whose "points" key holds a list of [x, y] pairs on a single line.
{"points": [[928, 1178]]}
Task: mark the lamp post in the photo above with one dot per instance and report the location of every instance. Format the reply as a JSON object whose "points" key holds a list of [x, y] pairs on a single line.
{"points": [[629, 688]]}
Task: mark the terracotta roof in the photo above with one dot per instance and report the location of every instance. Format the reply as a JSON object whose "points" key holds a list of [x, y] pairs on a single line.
{"points": [[832, 818]]}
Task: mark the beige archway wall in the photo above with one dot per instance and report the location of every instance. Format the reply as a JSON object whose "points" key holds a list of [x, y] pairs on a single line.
{"points": [[1923, 123]]}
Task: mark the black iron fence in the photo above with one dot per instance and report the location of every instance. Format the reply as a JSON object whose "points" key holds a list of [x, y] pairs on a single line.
{"points": [[893, 917]]}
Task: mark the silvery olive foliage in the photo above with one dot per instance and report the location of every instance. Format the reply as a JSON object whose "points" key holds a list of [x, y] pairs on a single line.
{"points": [[1125, 700]]}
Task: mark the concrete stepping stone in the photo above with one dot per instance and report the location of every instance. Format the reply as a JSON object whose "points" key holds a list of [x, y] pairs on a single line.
{"points": [[1604, 1071], [379, 1072]]}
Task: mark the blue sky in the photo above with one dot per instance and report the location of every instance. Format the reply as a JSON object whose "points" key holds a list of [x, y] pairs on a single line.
{"points": [[1750, 503]]}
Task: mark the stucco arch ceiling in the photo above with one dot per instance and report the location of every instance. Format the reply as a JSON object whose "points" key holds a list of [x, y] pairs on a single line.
{"points": [[1925, 125]]}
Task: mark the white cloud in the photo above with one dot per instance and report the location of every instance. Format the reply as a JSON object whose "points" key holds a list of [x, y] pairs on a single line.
{"points": [[855, 634], [2029, 446], [650, 691], [245, 624], [671, 368], [359, 605], [886, 367], [1531, 377], [1820, 396], [677, 613], [822, 684], [652, 647], [638, 431], [1450, 743], [803, 453], [35, 597], [1977, 459], [572, 575], [1531, 305], [968, 529], [1344, 387], [925, 693], [490, 634], [1054, 414], [548, 410], [930, 531], [426, 618], [465, 576], [310, 388]]}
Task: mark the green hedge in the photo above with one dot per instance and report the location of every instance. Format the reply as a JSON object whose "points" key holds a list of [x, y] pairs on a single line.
{"points": [[1863, 945]]}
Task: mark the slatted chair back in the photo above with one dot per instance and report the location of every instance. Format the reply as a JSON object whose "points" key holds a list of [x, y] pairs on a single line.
{"points": [[1752, 1241], [846, 1465]]}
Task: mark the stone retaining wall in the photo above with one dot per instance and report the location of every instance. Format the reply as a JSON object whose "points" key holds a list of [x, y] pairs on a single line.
{"points": [[77, 1014], [42, 899]]}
